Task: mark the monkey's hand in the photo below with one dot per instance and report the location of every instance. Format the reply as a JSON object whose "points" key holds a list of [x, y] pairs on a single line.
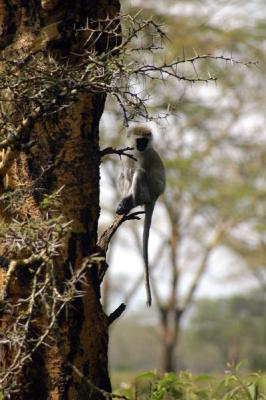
{"points": [[125, 205]]}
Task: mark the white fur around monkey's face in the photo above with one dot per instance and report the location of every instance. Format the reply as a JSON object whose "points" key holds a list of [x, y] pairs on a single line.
{"points": [[140, 137]]}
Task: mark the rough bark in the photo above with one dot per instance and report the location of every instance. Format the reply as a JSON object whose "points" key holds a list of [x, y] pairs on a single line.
{"points": [[67, 146]]}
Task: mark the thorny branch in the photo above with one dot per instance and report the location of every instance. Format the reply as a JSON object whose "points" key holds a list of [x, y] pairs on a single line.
{"points": [[14, 265], [44, 87], [43, 240], [44, 294]]}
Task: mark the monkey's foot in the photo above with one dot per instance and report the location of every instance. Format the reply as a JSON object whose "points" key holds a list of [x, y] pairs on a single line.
{"points": [[124, 206]]}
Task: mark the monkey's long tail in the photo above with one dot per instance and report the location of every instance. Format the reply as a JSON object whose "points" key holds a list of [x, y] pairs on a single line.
{"points": [[146, 231]]}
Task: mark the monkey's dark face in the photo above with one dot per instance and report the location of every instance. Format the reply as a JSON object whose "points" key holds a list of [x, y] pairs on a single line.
{"points": [[142, 143]]}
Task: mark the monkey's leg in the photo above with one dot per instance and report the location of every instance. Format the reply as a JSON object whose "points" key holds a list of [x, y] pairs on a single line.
{"points": [[125, 205], [139, 193]]}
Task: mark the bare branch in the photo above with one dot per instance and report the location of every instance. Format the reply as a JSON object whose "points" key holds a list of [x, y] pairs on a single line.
{"points": [[116, 313], [107, 235], [120, 152]]}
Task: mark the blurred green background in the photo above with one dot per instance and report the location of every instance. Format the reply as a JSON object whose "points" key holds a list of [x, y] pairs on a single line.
{"points": [[208, 241]]}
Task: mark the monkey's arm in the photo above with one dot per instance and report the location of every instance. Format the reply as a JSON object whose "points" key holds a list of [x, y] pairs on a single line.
{"points": [[124, 183]]}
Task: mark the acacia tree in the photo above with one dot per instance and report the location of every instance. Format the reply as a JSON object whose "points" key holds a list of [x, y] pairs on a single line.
{"points": [[58, 63], [53, 329]]}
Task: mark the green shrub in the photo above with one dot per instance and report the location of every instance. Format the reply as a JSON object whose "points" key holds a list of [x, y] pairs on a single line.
{"points": [[184, 386]]}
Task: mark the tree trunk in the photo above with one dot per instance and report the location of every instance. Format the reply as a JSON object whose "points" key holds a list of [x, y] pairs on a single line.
{"points": [[169, 333], [168, 358], [64, 157]]}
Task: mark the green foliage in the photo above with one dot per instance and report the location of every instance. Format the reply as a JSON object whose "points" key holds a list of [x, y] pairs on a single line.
{"points": [[186, 386]]}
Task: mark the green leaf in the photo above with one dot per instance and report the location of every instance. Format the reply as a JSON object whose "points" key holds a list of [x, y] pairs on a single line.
{"points": [[148, 375], [253, 390]]}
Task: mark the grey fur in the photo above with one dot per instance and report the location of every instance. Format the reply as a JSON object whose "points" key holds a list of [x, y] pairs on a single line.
{"points": [[142, 182]]}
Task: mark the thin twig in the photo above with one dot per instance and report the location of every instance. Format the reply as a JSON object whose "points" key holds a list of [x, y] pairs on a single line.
{"points": [[120, 152]]}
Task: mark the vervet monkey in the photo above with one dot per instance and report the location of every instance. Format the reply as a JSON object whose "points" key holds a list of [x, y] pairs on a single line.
{"points": [[142, 181]]}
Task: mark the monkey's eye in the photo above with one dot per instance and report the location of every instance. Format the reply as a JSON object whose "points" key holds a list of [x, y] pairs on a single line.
{"points": [[142, 143]]}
